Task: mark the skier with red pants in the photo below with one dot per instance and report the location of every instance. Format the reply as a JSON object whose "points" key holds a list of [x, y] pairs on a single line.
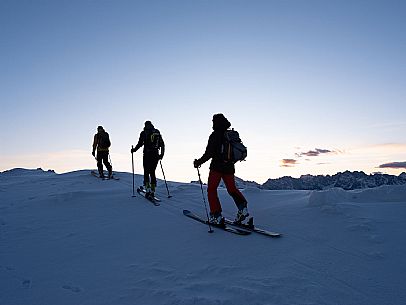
{"points": [[221, 169]]}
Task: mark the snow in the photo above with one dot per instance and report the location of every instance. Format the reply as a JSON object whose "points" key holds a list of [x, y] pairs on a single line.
{"points": [[74, 239]]}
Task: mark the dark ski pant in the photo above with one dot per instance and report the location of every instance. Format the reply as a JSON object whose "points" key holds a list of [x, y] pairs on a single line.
{"points": [[214, 181], [150, 162], [103, 157]]}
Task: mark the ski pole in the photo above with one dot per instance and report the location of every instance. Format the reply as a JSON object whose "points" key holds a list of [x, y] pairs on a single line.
{"points": [[111, 163], [204, 200], [132, 159], [167, 189]]}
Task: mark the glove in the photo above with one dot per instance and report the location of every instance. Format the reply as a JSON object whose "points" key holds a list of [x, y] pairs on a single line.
{"points": [[93, 153], [133, 150], [196, 163], [160, 157]]}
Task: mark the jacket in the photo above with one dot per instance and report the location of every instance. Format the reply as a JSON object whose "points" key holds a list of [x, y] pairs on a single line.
{"points": [[215, 145], [96, 141], [150, 132]]}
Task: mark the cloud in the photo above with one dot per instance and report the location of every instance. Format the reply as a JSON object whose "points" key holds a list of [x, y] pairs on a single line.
{"points": [[393, 165], [311, 153], [314, 153], [288, 162]]}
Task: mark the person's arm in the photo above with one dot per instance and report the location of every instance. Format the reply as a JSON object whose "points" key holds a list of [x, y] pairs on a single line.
{"points": [[140, 142], [95, 142], [162, 146], [208, 154]]}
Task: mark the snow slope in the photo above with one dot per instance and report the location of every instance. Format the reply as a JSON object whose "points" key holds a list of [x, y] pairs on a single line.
{"points": [[74, 239]]}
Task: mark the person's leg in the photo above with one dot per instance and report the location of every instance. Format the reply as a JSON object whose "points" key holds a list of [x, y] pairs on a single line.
{"points": [[146, 171], [107, 163], [213, 183], [233, 191], [99, 158], [154, 164]]}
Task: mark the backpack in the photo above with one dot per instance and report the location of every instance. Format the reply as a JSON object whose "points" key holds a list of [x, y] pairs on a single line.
{"points": [[152, 139], [104, 140], [232, 149]]}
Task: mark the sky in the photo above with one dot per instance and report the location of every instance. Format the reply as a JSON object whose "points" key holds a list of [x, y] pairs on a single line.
{"points": [[313, 87]]}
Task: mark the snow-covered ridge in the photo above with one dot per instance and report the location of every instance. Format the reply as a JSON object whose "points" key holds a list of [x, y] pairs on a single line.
{"points": [[382, 194], [74, 239], [15, 172]]}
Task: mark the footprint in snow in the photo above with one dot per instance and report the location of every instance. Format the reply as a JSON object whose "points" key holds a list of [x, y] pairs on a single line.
{"points": [[71, 288], [26, 284]]}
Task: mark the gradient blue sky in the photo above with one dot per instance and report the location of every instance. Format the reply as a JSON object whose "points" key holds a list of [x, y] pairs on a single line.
{"points": [[313, 87]]}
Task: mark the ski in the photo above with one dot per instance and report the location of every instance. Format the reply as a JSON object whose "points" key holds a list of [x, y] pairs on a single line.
{"points": [[105, 178], [225, 227], [152, 200], [250, 227], [141, 188]]}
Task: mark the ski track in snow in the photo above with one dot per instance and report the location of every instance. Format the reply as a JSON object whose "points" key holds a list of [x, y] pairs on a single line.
{"points": [[74, 239]]}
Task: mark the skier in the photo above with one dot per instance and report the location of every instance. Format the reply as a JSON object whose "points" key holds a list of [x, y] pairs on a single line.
{"points": [[154, 149], [101, 142], [221, 169]]}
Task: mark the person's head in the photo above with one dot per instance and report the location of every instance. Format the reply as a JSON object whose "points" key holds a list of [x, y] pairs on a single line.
{"points": [[220, 122], [100, 129], [148, 125]]}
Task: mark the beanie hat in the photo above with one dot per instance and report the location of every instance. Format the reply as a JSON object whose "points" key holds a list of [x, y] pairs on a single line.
{"points": [[220, 122], [148, 125]]}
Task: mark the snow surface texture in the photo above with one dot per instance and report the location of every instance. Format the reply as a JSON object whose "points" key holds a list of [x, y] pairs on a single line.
{"points": [[75, 239]]}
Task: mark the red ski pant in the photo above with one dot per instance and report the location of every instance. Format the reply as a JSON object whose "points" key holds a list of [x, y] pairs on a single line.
{"points": [[214, 181]]}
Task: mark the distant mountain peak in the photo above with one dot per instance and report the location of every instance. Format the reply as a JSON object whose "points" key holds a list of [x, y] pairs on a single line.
{"points": [[346, 180]]}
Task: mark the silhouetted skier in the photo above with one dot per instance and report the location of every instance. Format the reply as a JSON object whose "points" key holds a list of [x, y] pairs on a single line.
{"points": [[101, 143], [154, 149]]}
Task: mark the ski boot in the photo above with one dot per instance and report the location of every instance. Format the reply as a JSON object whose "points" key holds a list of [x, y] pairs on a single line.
{"points": [[145, 187], [242, 214], [217, 219], [150, 195]]}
